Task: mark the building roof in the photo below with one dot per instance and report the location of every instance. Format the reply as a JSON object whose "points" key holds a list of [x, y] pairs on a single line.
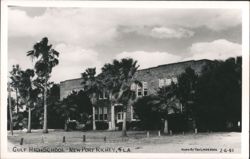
{"points": [[176, 63], [150, 68]]}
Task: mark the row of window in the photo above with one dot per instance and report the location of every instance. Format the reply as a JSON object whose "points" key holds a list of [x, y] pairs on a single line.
{"points": [[101, 113], [166, 81], [143, 90], [103, 95]]}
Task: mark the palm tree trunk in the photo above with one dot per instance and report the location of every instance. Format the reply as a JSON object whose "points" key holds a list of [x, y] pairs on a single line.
{"points": [[17, 106], [29, 121], [94, 126], [66, 125], [124, 126], [45, 128], [10, 110], [112, 117], [166, 126]]}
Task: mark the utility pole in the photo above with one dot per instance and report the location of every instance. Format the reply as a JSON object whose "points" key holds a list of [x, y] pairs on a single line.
{"points": [[10, 109]]}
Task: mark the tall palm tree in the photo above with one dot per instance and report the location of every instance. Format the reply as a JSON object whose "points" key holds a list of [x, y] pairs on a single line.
{"points": [[167, 100], [27, 92], [15, 82], [92, 86], [118, 78], [46, 58]]}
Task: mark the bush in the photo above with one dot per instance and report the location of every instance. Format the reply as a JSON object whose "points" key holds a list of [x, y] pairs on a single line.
{"points": [[101, 125], [177, 123], [72, 125], [147, 109], [135, 125]]}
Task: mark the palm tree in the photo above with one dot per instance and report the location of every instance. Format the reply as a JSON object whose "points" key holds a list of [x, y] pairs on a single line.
{"points": [[15, 82], [10, 109], [27, 92], [46, 59], [167, 99], [92, 86], [118, 78]]}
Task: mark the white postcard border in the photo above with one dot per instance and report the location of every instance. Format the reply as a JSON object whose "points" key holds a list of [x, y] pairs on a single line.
{"points": [[244, 6]]}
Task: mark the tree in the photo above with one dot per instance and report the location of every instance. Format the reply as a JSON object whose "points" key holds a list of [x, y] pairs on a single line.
{"points": [[15, 82], [10, 109], [219, 94], [168, 101], [147, 110], [92, 86], [186, 92], [46, 59], [27, 93], [68, 108], [154, 109], [118, 78]]}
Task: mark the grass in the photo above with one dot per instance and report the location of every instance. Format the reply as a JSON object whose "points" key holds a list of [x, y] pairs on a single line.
{"points": [[137, 141]]}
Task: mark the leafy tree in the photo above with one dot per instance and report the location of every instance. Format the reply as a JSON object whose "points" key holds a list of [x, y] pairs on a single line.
{"points": [[153, 109], [84, 106], [67, 109], [147, 110], [46, 59], [219, 94], [15, 82], [186, 92]]}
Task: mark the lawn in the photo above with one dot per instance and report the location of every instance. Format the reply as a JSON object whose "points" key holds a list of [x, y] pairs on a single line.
{"points": [[137, 141]]}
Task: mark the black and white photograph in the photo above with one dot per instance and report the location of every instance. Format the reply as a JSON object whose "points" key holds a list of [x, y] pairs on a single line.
{"points": [[115, 79]]}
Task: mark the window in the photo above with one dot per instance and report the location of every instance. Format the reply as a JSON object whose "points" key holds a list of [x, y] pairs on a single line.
{"points": [[142, 91], [103, 95], [139, 91], [161, 83], [100, 113], [133, 114], [120, 116], [174, 79], [168, 81], [145, 88], [133, 87], [165, 82], [105, 113], [96, 114]]}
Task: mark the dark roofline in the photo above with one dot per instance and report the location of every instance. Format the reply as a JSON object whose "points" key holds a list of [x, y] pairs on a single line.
{"points": [[151, 67], [70, 80], [176, 63]]}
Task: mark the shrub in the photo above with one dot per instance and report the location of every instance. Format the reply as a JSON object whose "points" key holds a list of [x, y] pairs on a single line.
{"points": [[101, 125]]}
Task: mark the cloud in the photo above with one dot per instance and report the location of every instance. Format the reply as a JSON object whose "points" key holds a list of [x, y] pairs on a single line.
{"points": [[220, 49], [76, 33], [62, 25], [73, 60], [149, 59], [217, 49], [89, 27], [163, 32], [158, 32]]}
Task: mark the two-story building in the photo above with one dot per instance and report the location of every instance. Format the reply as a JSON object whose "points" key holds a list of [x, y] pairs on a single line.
{"points": [[151, 78]]}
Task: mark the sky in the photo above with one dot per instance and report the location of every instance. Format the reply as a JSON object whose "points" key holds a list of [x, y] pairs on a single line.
{"points": [[91, 37]]}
